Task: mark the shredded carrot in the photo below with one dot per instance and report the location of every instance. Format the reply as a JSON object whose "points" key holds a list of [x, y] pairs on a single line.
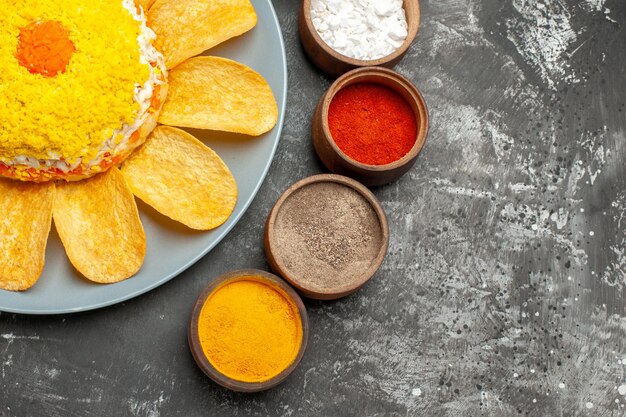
{"points": [[155, 101]]}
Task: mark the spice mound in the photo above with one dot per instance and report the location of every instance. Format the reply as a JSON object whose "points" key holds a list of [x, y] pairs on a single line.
{"points": [[372, 123], [361, 29], [327, 236], [249, 330]]}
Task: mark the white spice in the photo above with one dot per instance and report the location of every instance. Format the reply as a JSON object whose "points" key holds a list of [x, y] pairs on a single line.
{"points": [[360, 29]]}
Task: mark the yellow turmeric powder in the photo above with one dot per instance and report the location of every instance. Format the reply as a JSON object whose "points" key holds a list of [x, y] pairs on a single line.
{"points": [[249, 330]]}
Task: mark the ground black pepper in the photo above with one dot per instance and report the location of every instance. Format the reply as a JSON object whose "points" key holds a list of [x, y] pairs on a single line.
{"points": [[327, 234]]}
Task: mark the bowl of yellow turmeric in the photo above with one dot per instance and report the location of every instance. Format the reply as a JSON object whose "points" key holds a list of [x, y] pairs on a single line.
{"points": [[248, 330]]}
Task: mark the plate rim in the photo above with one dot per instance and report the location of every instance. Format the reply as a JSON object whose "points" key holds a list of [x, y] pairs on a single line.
{"points": [[222, 232]]}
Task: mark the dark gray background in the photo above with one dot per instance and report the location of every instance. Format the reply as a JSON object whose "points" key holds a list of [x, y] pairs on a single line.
{"points": [[503, 292]]}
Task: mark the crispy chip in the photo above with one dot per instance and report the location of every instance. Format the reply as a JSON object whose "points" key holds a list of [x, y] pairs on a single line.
{"points": [[24, 226], [182, 178], [188, 28], [99, 226], [145, 4], [219, 94]]}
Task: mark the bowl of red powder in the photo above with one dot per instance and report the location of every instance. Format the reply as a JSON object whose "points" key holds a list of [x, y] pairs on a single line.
{"points": [[370, 125]]}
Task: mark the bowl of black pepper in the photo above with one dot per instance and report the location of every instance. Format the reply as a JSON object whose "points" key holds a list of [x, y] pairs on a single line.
{"points": [[327, 235]]}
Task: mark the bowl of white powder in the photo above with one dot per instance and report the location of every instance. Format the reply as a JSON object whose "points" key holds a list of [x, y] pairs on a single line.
{"points": [[340, 35]]}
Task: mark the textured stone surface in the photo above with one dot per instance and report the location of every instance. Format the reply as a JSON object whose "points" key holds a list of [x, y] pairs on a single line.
{"points": [[504, 289]]}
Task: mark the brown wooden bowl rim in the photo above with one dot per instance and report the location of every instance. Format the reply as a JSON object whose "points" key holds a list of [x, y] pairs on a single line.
{"points": [[412, 34], [344, 290], [346, 80], [194, 339]]}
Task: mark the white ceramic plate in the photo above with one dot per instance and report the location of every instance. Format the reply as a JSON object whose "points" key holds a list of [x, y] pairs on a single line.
{"points": [[173, 248]]}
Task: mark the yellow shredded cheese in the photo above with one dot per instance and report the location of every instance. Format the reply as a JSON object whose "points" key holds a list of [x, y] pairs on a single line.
{"points": [[72, 114]]}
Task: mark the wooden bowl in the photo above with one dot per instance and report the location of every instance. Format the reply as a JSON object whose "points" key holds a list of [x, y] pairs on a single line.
{"points": [[194, 339], [336, 160], [274, 256], [332, 62]]}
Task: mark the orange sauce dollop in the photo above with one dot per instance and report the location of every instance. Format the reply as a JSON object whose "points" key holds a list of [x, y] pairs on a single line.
{"points": [[45, 48]]}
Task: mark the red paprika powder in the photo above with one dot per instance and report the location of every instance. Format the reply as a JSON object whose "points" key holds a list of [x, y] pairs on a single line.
{"points": [[372, 123]]}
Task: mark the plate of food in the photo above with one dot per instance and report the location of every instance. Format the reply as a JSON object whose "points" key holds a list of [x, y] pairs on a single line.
{"points": [[129, 150]]}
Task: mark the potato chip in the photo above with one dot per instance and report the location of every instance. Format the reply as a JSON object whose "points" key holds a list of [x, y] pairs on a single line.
{"points": [[182, 178], [145, 4], [219, 94], [99, 226], [188, 28], [24, 226]]}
